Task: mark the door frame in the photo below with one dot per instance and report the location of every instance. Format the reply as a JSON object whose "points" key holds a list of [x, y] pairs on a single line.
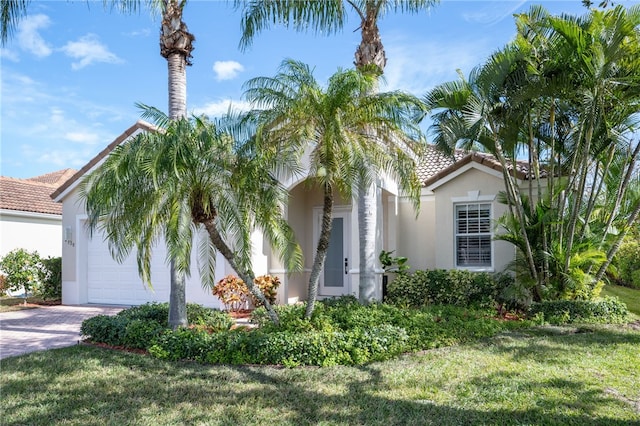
{"points": [[343, 212]]}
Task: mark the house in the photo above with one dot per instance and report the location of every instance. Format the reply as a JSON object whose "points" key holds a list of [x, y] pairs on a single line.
{"points": [[453, 229], [29, 218]]}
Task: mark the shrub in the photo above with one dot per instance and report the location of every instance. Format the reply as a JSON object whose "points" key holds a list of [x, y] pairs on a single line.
{"points": [[628, 259], [455, 287], [22, 269], [51, 278], [157, 312], [288, 348], [268, 285], [232, 293], [608, 310], [105, 329], [212, 320], [140, 326]]}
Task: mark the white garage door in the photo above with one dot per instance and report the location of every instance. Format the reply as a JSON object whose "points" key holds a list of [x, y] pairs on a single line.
{"points": [[110, 282]]}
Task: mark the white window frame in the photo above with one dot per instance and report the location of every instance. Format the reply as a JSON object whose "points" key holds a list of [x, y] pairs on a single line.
{"points": [[474, 198]]}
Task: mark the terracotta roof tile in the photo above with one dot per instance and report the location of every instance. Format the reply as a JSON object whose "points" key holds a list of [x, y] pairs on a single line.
{"points": [[54, 178], [434, 165], [31, 195]]}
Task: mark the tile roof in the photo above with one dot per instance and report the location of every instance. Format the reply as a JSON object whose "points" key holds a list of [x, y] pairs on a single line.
{"points": [[32, 194], [435, 165]]}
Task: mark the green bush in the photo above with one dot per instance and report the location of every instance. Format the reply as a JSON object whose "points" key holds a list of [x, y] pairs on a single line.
{"points": [[51, 278], [608, 310], [447, 287], [105, 329], [139, 326], [321, 348], [341, 331], [628, 260]]}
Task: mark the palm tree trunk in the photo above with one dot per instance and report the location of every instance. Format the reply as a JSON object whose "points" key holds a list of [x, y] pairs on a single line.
{"points": [[246, 275], [175, 47], [321, 250], [367, 220], [370, 52]]}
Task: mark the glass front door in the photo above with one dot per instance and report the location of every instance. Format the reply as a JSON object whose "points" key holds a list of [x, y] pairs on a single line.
{"points": [[335, 277]]}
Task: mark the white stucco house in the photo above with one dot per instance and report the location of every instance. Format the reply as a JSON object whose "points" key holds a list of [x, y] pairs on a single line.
{"points": [[454, 229], [29, 218]]}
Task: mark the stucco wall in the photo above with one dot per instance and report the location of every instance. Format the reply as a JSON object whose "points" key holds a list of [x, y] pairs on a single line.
{"points": [[472, 185], [429, 240], [416, 235], [32, 232]]}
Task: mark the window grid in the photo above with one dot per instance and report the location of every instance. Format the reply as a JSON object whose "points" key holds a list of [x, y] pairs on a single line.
{"points": [[473, 235]]}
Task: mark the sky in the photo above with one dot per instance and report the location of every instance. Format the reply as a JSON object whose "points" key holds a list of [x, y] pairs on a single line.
{"points": [[72, 73]]}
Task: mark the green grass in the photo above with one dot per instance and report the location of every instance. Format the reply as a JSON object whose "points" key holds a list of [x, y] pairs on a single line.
{"points": [[548, 375], [630, 296], [8, 304]]}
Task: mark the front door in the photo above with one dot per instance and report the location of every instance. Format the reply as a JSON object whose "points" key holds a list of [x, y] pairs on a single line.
{"points": [[334, 280]]}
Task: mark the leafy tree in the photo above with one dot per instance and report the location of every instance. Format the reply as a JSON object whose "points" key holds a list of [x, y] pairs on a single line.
{"points": [[564, 94], [191, 176], [347, 128], [328, 17], [22, 269]]}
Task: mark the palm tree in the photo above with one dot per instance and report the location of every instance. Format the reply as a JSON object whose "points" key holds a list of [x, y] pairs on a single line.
{"points": [[11, 11], [330, 16], [191, 174], [176, 45], [566, 93], [347, 129]]}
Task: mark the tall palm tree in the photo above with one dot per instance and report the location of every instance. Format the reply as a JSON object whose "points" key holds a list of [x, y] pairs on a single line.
{"points": [[191, 174], [330, 16], [176, 45], [347, 128], [566, 91]]}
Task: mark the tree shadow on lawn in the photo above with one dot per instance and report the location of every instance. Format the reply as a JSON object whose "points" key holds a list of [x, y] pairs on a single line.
{"points": [[530, 344], [132, 388]]}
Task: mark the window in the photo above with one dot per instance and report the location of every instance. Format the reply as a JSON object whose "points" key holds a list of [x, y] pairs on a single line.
{"points": [[473, 235]]}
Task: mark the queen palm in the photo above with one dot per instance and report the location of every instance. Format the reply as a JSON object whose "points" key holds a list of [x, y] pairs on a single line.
{"points": [[329, 16], [190, 175], [176, 45], [346, 127]]}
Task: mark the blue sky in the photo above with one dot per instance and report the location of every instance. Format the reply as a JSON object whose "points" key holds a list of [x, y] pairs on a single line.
{"points": [[72, 73]]}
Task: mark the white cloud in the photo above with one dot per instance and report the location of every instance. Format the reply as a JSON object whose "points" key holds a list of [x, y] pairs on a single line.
{"points": [[416, 66], [227, 70], [88, 49], [221, 107], [9, 55], [58, 158], [493, 12], [29, 38], [84, 137], [145, 32]]}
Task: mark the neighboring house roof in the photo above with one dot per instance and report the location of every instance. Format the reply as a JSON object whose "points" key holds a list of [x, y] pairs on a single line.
{"points": [[139, 126], [435, 165], [32, 194]]}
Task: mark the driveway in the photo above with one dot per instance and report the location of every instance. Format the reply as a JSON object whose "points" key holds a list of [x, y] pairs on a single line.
{"points": [[47, 327]]}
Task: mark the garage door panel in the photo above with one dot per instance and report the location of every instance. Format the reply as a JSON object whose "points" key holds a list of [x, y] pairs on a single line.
{"points": [[111, 282]]}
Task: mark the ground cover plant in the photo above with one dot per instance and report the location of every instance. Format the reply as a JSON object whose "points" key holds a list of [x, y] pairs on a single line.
{"points": [[544, 376], [630, 297]]}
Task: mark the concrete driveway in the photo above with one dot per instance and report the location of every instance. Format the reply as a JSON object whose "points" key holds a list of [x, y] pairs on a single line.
{"points": [[47, 327]]}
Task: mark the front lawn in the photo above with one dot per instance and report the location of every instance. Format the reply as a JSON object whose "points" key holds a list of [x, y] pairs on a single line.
{"points": [[630, 296], [547, 375]]}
